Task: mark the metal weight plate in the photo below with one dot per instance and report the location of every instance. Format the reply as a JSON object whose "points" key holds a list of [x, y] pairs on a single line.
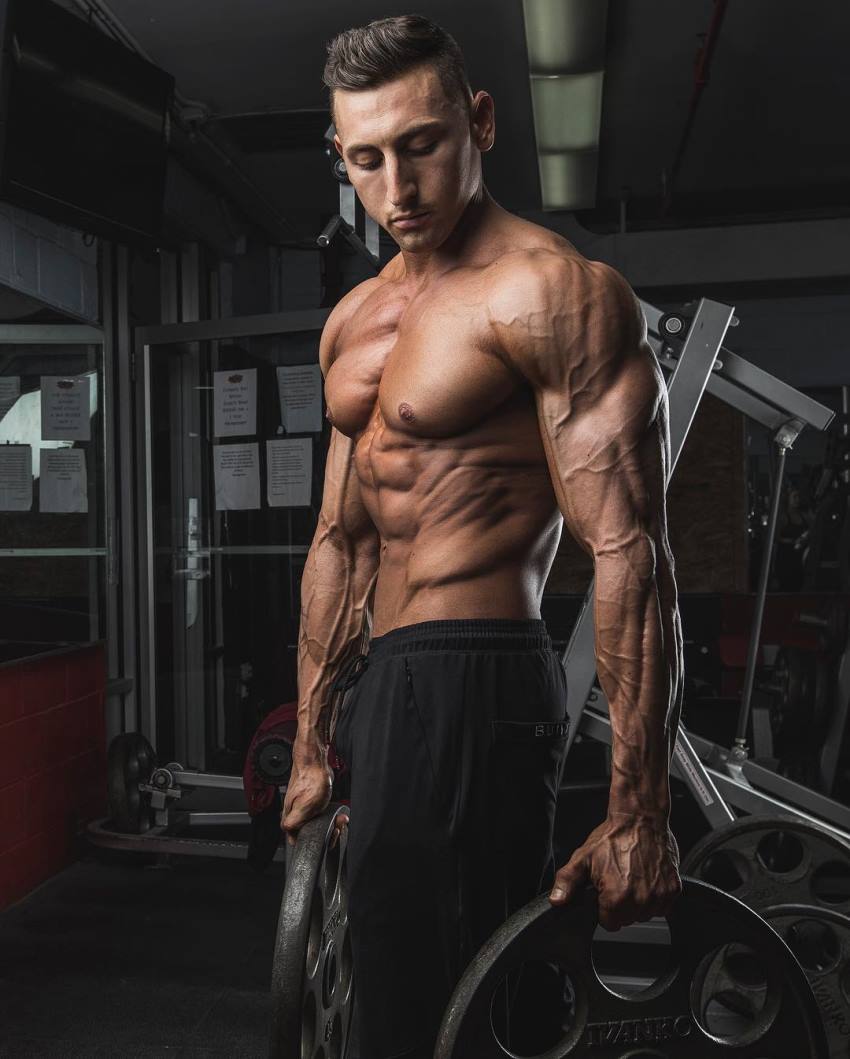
{"points": [[726, 957], [820, 939], [273, 760], [312, 976], [130, 761], [771, 860]]}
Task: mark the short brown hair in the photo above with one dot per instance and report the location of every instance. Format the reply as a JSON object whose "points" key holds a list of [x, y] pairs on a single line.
{"points": [[368, 56]]}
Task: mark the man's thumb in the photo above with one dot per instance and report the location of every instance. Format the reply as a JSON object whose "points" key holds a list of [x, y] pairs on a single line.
{"points": [[567, 880]]}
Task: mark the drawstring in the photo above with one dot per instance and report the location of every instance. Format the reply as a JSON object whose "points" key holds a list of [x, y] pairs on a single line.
{"points": [[351, 673], [349, 676]]}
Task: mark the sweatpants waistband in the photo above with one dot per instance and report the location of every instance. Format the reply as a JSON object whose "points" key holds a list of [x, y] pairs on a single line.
{"points": [[463, 634]]}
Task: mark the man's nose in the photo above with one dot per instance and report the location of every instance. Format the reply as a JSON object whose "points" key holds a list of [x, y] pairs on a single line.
{"points": [[401, 187]]}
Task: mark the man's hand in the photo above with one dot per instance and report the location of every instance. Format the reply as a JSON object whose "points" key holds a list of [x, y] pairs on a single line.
{"points": [[309, 789], [633, 861]]}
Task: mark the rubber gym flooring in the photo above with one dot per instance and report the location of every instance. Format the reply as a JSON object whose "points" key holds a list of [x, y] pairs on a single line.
{"points": [[118, 957]]}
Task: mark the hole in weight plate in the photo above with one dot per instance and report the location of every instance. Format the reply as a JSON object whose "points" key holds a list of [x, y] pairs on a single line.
{"points": [[329, 976], [727, 871], [815, 944], [346, 965], [330, 876], [780, 852], [630, 961], [731, 996], [533, 1008]]}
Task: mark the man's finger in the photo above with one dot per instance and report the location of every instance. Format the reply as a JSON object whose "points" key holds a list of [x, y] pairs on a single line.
{"points": [[567, 880]]}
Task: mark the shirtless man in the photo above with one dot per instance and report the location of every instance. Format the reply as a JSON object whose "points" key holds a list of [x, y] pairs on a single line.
{"points": [[488, 386]]}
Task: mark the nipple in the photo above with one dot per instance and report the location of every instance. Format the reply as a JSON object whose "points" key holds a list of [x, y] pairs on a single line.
{"points": [[406, 412]]}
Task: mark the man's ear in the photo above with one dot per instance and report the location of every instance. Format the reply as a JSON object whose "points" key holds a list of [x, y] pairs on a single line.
{"points": [[338, 145], [483, 121]]}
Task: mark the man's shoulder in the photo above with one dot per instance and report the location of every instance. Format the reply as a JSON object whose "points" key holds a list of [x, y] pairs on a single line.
{"points": [[545, 302], [549, 274]]}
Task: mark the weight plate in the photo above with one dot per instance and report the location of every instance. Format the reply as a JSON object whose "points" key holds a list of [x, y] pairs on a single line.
{"points": [[130, 761], [726, 958], [771, 860], [273, 760], [313, 974], [820, 939]]}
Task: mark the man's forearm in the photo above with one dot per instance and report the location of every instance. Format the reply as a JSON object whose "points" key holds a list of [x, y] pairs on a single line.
{"points": [[638, 646], [336, 589]]}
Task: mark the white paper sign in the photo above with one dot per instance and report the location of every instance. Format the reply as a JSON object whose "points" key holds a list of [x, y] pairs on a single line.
{"points": [[237, 477], [63, 480], [290, 472], [10, 391], [65, 408], [235, 402], [15, 478], [300, 389]]}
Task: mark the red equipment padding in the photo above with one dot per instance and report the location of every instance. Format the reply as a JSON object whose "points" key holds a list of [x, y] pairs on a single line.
{"points": [[283, 722]]}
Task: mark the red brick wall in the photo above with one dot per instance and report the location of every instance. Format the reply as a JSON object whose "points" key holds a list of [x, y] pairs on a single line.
{"points": [[52, 762]]}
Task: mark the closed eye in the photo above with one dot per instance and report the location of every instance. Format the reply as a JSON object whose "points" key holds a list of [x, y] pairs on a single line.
{"points": [[427, 149]]}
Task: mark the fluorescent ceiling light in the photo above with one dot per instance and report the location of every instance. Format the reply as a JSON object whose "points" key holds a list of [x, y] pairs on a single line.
{"points": [[568, 180], [567, 111], [565, 35]]}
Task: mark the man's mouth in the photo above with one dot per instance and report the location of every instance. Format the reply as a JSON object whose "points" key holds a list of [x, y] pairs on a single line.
{"points": [[411, 220]]}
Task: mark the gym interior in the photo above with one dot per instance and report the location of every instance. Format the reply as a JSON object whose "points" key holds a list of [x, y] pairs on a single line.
{"points": [[175, 229]]}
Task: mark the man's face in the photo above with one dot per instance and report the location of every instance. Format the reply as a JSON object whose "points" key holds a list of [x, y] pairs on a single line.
{"points": [[409, 149]]}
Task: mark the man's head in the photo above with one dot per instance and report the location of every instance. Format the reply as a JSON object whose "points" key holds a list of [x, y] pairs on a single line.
{"points": [[408, 127]]}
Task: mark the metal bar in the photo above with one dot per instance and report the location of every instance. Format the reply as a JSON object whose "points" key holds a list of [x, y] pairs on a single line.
{"points": [[111, 489], [795, 794], [761, 596], [54, 553], [126, 542], [147, 610], [799, 405], [233, 327], [739, 374], [729, 392], [187, 778], [49, 334], [733, 791], [696, 360], [191, 677], [245, 549], [212, 819]]}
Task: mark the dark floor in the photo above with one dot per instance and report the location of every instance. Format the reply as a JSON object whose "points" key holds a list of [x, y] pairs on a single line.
{"points": [[117, 957]]}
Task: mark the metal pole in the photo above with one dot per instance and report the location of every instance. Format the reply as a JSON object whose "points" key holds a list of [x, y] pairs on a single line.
{"points": [[761, 594]]}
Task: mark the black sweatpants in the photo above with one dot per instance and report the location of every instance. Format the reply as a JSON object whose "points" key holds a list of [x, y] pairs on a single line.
{"points": [[454, 733]]}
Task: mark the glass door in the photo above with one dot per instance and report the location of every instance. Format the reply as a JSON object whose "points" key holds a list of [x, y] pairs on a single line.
{"points": [[57, 579], [232, 467]]}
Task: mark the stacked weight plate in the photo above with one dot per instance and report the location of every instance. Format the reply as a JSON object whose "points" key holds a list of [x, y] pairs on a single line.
{"points": [[312, 977], [797, 877]]}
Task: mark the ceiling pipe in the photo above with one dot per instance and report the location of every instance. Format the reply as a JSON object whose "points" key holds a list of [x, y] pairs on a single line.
{"points": [[702, 67]]}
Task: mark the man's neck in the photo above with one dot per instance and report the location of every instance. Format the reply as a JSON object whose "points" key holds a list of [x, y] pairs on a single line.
{"points": [[424, 266]]}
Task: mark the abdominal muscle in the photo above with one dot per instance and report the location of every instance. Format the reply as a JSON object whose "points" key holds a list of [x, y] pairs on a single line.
{"points": [[466, 531]]}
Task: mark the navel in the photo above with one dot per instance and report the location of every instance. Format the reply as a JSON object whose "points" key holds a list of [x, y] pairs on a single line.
{"points": [[406, 412]]}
